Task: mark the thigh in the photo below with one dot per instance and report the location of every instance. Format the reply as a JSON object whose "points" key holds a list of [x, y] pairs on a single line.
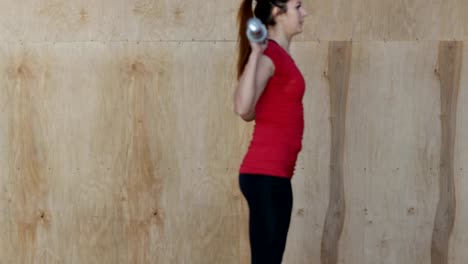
{"points": [[277, 208], [284, 203], [269, 195], [259, 191], [283, 200]]}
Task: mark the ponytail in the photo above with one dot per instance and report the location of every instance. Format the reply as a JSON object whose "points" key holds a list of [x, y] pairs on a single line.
{"points": [[245, 12], [263, 11]]}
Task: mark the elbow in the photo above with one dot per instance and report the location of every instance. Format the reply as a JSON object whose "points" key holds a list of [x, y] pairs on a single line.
{"points": [[239, 110], [245, 114], [248, 118]]}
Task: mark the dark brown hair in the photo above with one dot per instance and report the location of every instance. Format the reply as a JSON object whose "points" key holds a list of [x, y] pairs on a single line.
{"points": [[263, 11]]}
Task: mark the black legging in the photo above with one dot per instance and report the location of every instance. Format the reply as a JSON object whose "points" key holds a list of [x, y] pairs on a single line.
{"points": [[270, 203]]}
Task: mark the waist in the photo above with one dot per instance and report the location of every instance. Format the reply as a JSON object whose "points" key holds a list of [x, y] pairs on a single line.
{"points": [[266, 138], [291, 126]]}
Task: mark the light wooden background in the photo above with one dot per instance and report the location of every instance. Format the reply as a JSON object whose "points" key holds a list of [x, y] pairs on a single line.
{"points": [[119, 144]]}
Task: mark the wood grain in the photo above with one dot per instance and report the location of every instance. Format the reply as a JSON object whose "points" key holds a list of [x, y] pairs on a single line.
{"points": [[339, 68], [448, 71]]}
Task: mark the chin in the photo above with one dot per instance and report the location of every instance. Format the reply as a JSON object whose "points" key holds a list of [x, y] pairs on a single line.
{"points": [[297, 31], [300, 29]]}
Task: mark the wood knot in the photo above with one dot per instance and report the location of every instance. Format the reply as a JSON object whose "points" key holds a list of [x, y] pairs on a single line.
{"points": [[179, 12], [135, 66], [20, 69], [83, 15], [23, 71], [43, 216]]}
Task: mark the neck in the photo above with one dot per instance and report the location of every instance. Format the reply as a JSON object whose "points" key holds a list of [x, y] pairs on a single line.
{"points": [[279, 37]]}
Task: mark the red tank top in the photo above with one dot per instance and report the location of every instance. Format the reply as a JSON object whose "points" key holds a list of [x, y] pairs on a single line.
{"points": [[279, 119]]}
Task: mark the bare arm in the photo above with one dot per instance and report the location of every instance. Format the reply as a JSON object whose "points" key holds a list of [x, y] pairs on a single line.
{"points": [[252, 82]]}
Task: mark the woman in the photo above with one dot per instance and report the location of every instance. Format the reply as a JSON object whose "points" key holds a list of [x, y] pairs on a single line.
{"points": [[270, 91]]}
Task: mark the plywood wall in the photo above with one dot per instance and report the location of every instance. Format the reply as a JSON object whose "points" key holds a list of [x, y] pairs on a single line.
{"points": [[119, 144]]}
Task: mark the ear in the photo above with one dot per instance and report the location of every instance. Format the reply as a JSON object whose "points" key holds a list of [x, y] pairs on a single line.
{"points": [[275, 11]]}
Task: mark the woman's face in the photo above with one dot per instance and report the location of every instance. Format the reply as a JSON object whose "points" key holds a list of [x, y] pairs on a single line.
{"points": [[293, 20]]}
